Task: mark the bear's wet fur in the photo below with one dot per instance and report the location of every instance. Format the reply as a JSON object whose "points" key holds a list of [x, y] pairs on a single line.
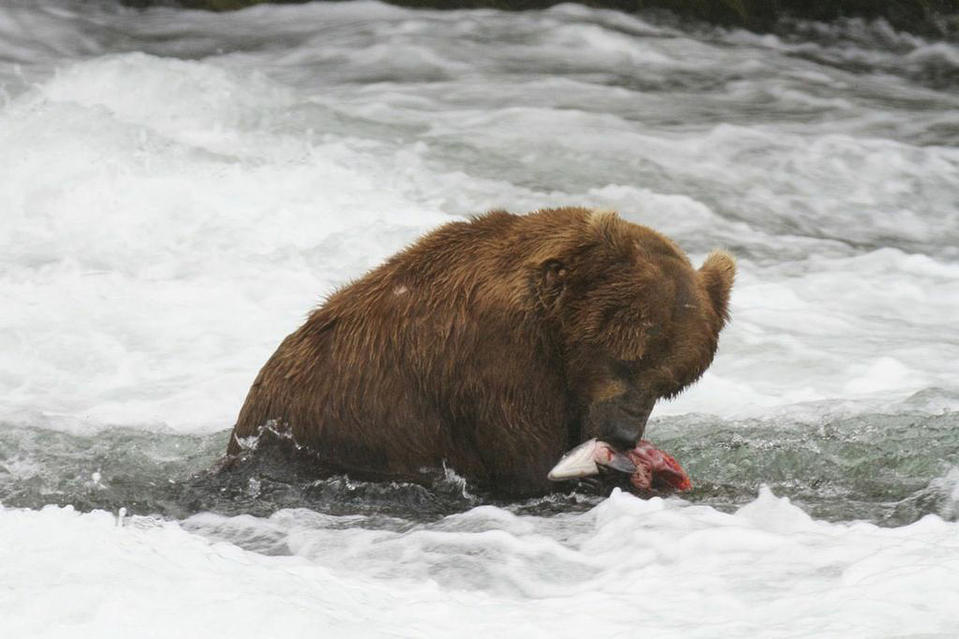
{"points": [[491, 346]]}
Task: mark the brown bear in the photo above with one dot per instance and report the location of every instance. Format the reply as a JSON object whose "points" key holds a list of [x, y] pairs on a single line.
{"points": [[492, 346]]}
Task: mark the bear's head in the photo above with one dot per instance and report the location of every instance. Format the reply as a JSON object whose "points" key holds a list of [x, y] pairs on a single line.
{"points": [[636, 321]]}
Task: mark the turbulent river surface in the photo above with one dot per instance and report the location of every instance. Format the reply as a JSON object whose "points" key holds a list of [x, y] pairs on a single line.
{"points": [[178, 189]]}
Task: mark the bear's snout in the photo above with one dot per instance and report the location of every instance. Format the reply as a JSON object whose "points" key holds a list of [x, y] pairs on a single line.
{"points": [[621, 420]]}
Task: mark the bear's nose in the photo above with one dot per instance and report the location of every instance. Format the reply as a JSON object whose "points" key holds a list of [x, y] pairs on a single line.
{"points": [[623, 436], [620, 421]]}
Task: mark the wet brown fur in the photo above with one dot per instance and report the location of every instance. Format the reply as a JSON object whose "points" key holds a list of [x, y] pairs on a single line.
{"points": [[493, 346]]}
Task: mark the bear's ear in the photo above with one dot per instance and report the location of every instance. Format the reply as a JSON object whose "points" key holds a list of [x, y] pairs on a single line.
{"points": [[552, 280], [554, 274], [718, 273]]}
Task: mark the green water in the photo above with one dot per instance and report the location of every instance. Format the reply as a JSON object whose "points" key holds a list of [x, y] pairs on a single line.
{"points": [[888, 469]]}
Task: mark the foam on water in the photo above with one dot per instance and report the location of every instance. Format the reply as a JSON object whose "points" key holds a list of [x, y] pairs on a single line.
{"points": [[179, 189], [626, 566]]}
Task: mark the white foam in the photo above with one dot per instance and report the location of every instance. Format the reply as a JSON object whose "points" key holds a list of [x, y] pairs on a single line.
{"points": [[134, 243], [166, 227], [627, 566], [870, 327]]}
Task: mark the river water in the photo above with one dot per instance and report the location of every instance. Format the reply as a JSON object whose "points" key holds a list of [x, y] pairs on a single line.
{"points": [[178, 189]]}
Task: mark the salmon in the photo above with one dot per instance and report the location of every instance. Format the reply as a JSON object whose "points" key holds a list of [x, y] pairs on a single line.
{"points": [[649, 469]]}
